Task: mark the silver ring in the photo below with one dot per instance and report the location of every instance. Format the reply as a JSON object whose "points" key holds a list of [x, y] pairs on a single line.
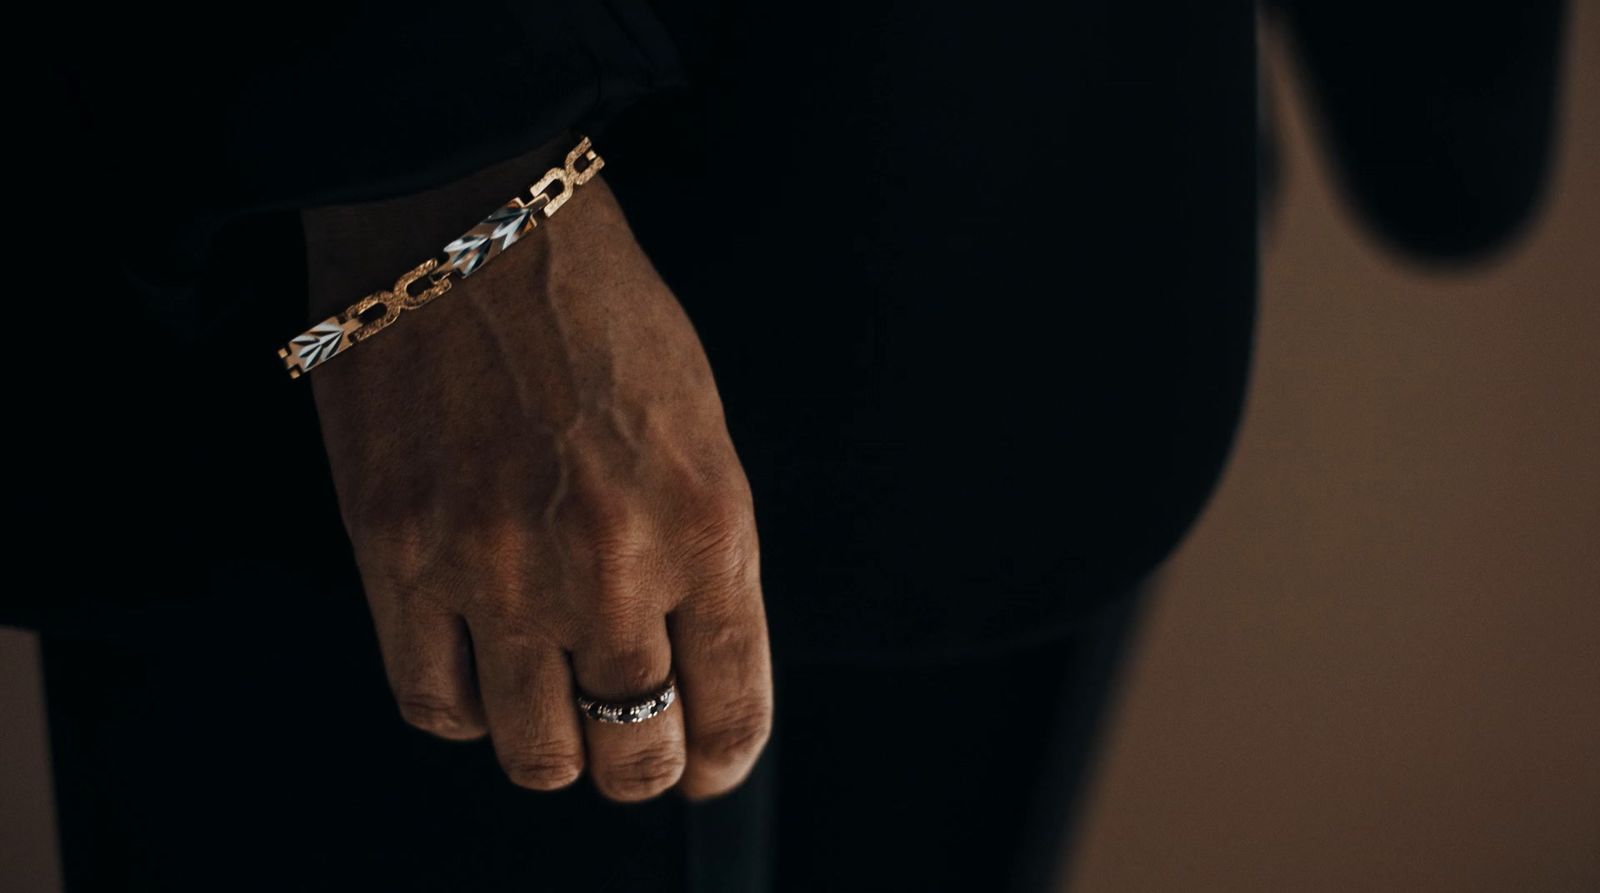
{"points": [[637, 710]]}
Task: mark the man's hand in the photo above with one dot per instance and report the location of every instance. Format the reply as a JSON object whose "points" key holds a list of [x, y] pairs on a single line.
{"points": [[541, 493]]}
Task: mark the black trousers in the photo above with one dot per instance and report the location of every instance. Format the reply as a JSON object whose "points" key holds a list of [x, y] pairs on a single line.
{"points": [[281, 763]]}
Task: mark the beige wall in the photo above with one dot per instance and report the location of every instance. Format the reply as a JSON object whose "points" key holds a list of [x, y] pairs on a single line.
{"points": [[1375, 664], [27, 832]]}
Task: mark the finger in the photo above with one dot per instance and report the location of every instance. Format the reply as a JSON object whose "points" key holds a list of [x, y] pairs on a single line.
{"points": [[719, 641], [630, 761], [428, 659], [528, 698]]}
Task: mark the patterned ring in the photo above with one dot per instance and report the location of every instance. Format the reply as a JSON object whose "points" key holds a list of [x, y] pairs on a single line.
{"points": [[638, 710]]}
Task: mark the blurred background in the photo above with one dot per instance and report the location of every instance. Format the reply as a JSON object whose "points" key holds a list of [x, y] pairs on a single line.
{"points": [[1374, 664]]}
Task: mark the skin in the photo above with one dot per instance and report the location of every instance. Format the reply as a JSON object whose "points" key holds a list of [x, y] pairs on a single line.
{"points": [[542, 496]]}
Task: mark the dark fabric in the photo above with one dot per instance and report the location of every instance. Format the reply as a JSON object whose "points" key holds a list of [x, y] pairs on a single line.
{"points": [[979, 296], [250, 110], [968, 402], [944, 774], [183, 764]]}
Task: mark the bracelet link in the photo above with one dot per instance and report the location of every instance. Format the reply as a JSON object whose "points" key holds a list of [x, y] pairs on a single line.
{"points": [[464, 255], [318, 344], [437, 286], [568, 176], [395, 299]]}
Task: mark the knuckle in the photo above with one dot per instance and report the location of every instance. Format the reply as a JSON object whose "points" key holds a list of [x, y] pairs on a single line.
{"points": [[605, 517], [617, 590], [620, 603], [720, 508], [440, 716], [732, 739], [394, 514], [411, 564], [543, 769], [617, 556], [641, 775], [719, 534], [400, 553], [503, 541], [616, 564]]}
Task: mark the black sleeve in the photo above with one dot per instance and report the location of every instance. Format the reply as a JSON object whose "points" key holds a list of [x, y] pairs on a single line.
{"points": [[235, 111], [297, 103]]}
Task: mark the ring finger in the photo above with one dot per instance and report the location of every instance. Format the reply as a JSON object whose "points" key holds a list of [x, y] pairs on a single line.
{"points": [[636, 760]]}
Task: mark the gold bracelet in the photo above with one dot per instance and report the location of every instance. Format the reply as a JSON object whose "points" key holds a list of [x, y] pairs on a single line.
{"points": [[465, 256]]}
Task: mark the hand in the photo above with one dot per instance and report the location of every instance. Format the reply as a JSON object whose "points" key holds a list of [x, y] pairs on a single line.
{"points": [[538, 483]]}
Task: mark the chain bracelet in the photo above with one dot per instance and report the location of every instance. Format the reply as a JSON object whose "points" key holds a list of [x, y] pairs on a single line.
{"points": [[462, 257]]}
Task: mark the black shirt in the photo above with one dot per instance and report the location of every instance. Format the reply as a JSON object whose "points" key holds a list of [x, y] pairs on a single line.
{"points": [[977, 282]]}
